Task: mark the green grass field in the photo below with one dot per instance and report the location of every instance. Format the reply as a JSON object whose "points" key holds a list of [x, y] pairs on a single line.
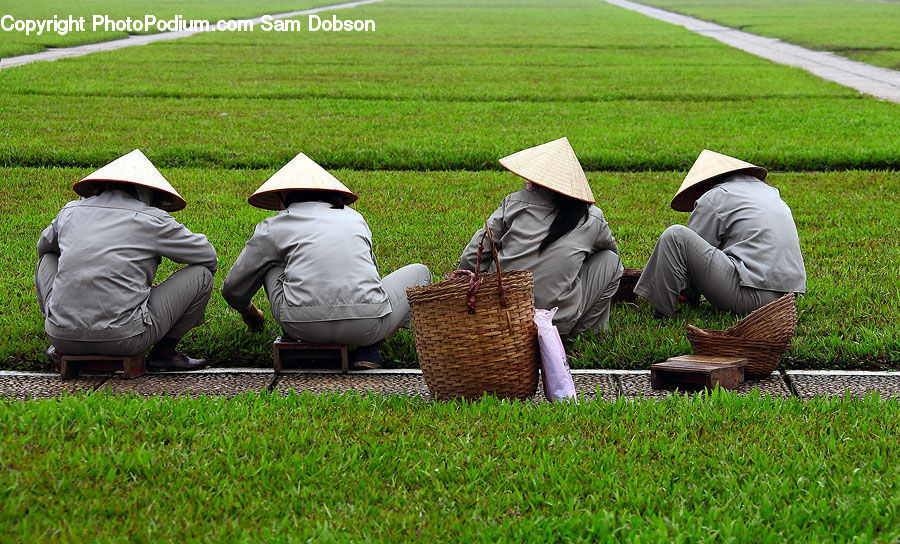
{"points": [[790, 134], [848, 318], [717, 468], [864, 30], [414, 117], [632, 93]]}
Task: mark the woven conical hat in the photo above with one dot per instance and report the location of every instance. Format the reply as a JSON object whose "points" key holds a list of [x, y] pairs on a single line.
{"points": [[134, 168], [709, 166], [302, 173], [552, 165]]}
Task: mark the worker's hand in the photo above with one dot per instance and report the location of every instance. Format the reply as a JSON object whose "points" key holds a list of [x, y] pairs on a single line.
{"points": [[253, 318]]}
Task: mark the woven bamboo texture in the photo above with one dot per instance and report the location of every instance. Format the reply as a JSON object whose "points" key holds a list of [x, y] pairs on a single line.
{"points": [[493, 350], [762, 337]]}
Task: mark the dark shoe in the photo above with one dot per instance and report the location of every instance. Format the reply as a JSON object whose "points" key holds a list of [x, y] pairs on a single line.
{"points": [[55, 357], [367, 357], [659, 316], [173, 360]]}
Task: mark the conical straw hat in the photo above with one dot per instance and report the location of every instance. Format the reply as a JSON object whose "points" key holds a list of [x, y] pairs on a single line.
{"points": [[302, 173], [709, 166], [552, 165], [134, 168]]}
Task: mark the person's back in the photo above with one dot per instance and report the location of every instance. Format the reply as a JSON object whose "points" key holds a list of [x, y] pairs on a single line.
{"points": [[553, 229], [97, 261], [315, 260], [740, 248], [527, 216], [757, 230], [330, 270], [107, 245]]}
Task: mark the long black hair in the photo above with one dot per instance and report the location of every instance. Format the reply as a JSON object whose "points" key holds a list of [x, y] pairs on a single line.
{"points": [[329, 197], [569, 213]]}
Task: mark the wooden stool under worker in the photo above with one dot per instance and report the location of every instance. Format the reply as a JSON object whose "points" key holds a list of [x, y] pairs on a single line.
{"points": [[697, 371], [131, 366], [290, 350]]}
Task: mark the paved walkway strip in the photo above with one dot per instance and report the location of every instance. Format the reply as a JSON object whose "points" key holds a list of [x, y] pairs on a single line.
{"points": [[79, 50], [605, 385], [874, 80]]}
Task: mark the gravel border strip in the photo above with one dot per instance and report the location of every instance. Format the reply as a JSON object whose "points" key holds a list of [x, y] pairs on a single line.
{"points": [[254, 370]]}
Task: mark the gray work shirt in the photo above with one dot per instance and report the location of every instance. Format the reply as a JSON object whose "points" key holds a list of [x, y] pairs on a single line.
{"points": [[330, 271], [749, 222], [519, 225], [109, 247]]}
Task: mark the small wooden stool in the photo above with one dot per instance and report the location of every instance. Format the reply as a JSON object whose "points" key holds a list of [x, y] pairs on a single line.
{"points": [[131, 366], [300, 350], [698, 371]]}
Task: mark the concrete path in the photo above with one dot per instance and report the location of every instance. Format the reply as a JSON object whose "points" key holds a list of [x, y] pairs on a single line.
{"points": [[79, 50], [874, 80], [605, 385]]}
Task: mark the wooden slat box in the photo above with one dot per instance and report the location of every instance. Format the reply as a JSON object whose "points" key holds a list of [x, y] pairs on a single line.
{"points": [[300, 351], [697, 371], [131, 366]]}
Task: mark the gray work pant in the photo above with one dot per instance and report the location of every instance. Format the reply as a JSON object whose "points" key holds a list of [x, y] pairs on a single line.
{"points": [[683, 260], [357, 332], [599, 277], [175, 306]]}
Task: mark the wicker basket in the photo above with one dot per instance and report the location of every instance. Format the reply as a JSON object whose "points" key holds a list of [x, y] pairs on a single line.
{"points": [[762, 337], [475, 334]]}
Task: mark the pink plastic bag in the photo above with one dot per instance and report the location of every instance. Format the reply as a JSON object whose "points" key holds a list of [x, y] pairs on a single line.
{"points": [[555, 372]]}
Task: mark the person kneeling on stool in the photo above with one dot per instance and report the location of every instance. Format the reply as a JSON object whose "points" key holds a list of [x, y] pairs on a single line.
{"points": [[97, 261], [315, 260]]}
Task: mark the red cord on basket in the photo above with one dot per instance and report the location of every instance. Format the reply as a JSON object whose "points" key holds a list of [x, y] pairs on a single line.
{"points": [[500, 287], [475, 277], [474, 284]]}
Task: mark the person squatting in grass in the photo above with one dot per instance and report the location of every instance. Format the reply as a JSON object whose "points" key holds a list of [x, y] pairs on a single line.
{"points": [[553, 229], [740, 248], [98, 258], [316, 262]]}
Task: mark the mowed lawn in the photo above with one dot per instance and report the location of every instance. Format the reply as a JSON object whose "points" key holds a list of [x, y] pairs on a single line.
{"points": [[850, 317], [442, 87], [864, 30], [414, 117], [716, 468]]}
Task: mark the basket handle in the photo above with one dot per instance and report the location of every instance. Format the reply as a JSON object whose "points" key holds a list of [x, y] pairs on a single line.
{"points": [[501, 289], [474, 284], [475, 277], [696, 330]]}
